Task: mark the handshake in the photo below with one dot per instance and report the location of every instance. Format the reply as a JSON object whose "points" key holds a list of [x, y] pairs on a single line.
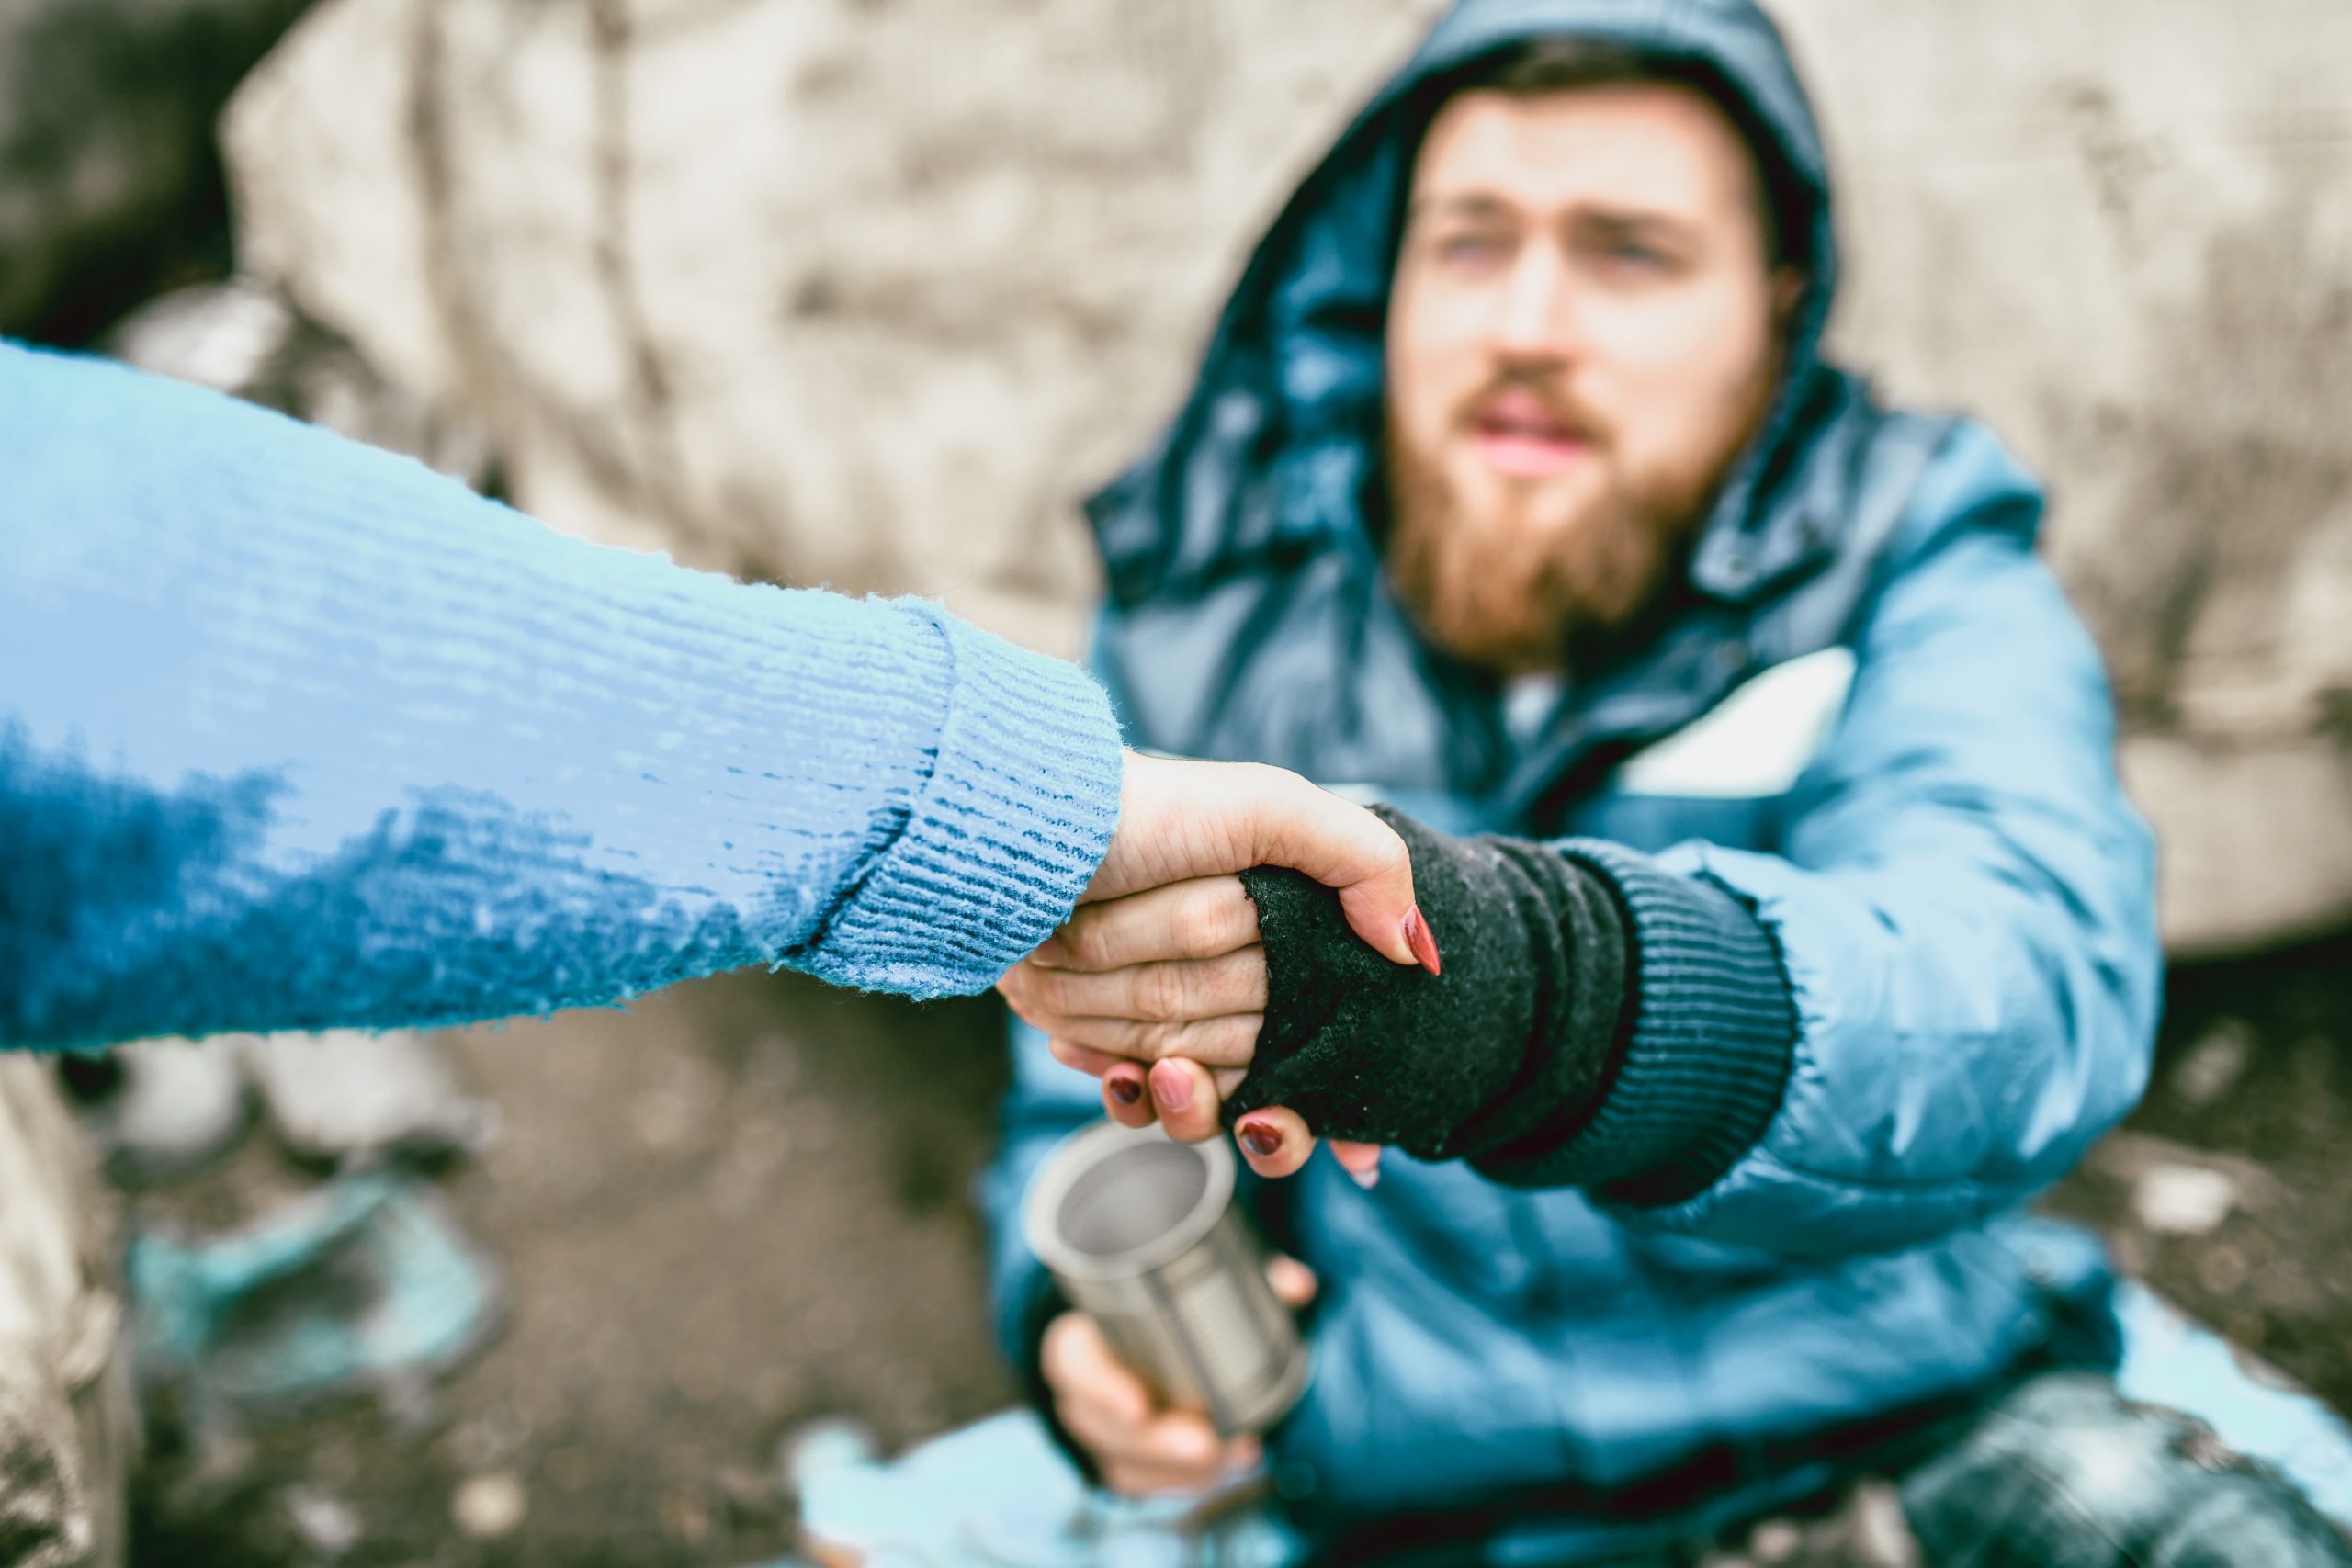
{"points": [[1253, 952], [1158, 984]]}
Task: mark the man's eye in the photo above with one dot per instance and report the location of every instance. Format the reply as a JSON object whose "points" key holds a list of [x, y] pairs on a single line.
{"points": [[1470, 250], [1633, 255]]}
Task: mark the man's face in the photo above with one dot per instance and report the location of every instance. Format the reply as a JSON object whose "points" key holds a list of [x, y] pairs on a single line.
{"points": [[1584, 331]]}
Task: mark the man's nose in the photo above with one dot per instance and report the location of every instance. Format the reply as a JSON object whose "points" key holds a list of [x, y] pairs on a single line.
{"points": [[1536, 315]]}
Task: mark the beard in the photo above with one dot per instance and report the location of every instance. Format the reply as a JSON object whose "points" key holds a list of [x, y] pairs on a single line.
{"points": [[1536, 582]]}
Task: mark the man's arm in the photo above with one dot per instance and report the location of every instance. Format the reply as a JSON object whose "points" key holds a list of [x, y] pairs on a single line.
{"points": [[1927, 1007], [1922, 1012], [1964, 915]]}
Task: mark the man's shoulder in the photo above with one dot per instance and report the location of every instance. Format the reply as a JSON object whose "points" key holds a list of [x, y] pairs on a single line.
{"points": [[1967, 479]]}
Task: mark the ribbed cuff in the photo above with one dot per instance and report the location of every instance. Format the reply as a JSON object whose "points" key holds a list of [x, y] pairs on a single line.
{"points": [[1015, 817], [1706, 1058]]}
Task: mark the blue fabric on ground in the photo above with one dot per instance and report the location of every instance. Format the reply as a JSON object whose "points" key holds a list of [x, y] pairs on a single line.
{"points": [[999, 1493], [369, 1279], [295, 734], [2172, 1360]]}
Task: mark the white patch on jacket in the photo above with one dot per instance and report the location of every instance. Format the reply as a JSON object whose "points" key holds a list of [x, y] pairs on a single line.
{"points": [[1755, 742]]}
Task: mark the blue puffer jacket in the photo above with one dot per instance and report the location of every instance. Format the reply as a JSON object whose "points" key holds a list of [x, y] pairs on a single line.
{"points": [[1873, 721]]}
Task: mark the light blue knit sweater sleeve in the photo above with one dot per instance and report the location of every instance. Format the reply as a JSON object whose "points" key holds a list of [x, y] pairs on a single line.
{"points": [[298, 734]]}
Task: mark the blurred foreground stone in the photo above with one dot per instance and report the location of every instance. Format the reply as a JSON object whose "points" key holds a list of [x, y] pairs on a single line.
{"points": [[67, 1431], [864, 295]]}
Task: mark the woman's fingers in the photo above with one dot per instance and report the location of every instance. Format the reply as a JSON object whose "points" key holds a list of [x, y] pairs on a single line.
{"points": [[1160, 992], [1206, 918], [1274, 1141], [1126, 1094], [1185, 1099], [1090, 1044]]}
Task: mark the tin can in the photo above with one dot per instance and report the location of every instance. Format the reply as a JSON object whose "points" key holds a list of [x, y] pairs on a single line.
{"points": [[1142, 1235]]}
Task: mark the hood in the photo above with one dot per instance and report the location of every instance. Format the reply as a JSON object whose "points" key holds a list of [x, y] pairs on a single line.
{"points": [[1274, 456]]}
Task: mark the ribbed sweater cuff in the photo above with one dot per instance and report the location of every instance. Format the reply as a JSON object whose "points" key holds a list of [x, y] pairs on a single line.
{"points": [[1016, 816], [1706, 1052]]}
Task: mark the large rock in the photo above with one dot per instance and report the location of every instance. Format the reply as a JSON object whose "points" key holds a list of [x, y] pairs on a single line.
{"points": [[862, 293], [107, 163], [832, 291]]}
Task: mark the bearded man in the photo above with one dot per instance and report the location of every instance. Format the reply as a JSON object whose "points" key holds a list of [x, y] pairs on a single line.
{"points": [[1811, 936]]}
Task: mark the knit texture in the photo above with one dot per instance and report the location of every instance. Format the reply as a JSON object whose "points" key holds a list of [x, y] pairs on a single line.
{"points": [[298, 734], [1712, 1028], [1601, 1022], [1510, 1040]]}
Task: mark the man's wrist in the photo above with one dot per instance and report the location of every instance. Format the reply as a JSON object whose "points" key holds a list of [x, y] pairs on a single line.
{"points": [[1509, 1045], [1708, 1035]]}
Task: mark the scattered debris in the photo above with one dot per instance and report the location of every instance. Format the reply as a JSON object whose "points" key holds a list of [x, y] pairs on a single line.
{"points": [[327, 1525], [490, 1506], [160, 1110], [364, 1283], [2178, 1191], [352, 1095], [2183, 1200], [2214, 1065]]}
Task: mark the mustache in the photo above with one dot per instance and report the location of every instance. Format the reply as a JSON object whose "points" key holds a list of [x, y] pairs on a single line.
{"points": [[1547, 388]]}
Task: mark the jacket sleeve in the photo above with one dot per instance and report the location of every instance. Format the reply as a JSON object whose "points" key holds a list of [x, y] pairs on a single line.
{"points": [[297, 734], [1963, 912]]}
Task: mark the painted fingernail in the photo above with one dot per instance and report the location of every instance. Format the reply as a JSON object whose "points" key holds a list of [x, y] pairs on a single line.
{"points": [[1049, 953], [1417, 938], [1171, 1086], [1260, 1139], [1127, 1091]]}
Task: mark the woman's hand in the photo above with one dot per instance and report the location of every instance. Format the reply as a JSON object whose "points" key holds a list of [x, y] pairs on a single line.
{"points": [[1167, 945], [1161, 994], [1180, 821]]}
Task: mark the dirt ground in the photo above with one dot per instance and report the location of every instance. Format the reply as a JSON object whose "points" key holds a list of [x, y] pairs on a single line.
{"points": [[744, 1204]]}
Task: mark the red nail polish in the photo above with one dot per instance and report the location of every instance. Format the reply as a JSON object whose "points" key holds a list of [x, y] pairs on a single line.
{"points": [[1172, 1088], [1125, 1090], [1417, 938], [1260, 1139]]}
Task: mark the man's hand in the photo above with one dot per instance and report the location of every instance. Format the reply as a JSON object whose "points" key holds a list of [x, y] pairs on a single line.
{"points": [[1140, 1448]]}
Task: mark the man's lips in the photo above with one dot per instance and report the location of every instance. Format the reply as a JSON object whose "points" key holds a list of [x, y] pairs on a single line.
{"points": [[1519, 436]]}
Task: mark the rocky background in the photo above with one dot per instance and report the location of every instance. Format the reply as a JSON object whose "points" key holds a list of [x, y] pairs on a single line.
{"points": [[864, 292]]}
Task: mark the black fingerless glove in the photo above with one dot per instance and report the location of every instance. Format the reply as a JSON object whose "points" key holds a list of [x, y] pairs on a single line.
{"points": [[1505, 1054]]}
